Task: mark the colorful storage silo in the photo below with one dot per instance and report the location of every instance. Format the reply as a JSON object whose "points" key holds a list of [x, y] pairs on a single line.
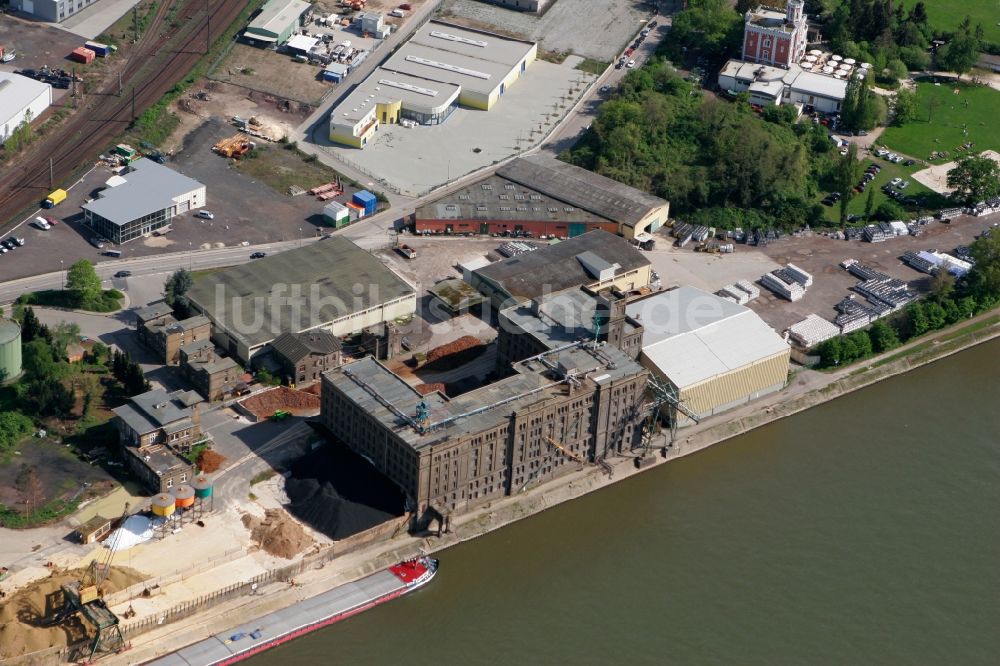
{"points": [[202, 487], [164, 505], [183, 496], [10, 350], [366, 200]]}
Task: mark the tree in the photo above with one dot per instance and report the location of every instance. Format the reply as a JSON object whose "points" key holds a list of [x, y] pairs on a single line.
{"points": [[974, 179], [22, 135], [889, 211], [37, 360], [13, 427], [82, 280], [959, 54], [896, 69], [916, 318], [848, 173], [870, 204], [984, 278], [905, 107], [64, 334], [831, 352], [883, 336], [862, 344], [51, 397], [31, 328], [175, 291], [936, 315], [942, 285]]}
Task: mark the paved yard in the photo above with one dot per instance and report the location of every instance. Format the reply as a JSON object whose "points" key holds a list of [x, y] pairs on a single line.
{"points": [[416, 160], [596, 29]]}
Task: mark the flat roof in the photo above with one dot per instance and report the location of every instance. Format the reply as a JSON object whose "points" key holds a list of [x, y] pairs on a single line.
{"points": [[17, 92], [459, 416], [559, 319], [293, 291], [556, 268], [275, 16], [500, 199], [582, 188], [692, 336], [155, 409], [149, 187], [473, 43], [475, 74], [820, 85], [796, 78], [386, 86], [154, 311]]}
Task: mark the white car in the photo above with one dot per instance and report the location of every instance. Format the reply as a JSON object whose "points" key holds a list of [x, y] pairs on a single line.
{"points": [[630, 64], [904, 185], [208, 215], [42, 223], [896, 181]]}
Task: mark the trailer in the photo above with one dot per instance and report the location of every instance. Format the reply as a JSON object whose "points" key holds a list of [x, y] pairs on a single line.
{"points": [[407, 251]]}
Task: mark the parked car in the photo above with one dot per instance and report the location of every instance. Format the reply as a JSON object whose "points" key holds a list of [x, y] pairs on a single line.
{"points": [[896, 181], [51, 220], [258, 255], [9, 244], [123, 274], [605, 89], [629, 51], [406, 6], [904, 185], [652, 24], [630, 64], [97, 242], [205, 214], [41, 223]]}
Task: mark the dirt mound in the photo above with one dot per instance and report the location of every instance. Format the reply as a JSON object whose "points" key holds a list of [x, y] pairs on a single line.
{"points": [[453, 347], [263, 405], [209, 461], [278, 534], [424, 389], [23, 614]]}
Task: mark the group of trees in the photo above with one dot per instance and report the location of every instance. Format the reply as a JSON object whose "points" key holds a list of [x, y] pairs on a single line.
{"points": [[708, 157], [42, 352], [949, 302], [862, 109], [974, 178], [175, 291], [129, 373]]}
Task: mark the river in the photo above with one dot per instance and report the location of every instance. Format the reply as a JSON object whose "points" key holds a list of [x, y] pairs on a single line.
{"points": [[864, 531]]}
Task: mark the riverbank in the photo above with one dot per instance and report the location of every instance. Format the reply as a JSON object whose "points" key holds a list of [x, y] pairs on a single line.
{"points": [[806, 389]]}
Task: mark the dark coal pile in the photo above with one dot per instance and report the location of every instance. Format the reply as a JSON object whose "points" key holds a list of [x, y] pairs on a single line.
{"points": [[339, 493]]}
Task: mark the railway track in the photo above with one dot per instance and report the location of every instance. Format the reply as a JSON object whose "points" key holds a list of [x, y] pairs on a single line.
{"points": [[97, 124]]}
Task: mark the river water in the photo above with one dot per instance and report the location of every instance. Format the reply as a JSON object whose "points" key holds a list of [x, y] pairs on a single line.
{"points": [[864, 531]]}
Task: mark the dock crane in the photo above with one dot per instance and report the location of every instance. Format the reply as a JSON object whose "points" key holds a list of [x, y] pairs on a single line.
{"points": [[86, 597], [556, 446], [663, 394]]}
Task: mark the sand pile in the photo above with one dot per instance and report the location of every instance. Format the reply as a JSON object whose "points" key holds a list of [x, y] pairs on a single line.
{"points": [[23, 613], [318, 503], [424, 389], [278, 534]]}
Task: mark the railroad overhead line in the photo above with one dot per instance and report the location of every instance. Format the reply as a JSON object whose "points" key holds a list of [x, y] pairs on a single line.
{"points": [[73, 146]]}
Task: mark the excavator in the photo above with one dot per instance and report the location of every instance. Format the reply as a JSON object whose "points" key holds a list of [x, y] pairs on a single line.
{"points": [[86, 597]]}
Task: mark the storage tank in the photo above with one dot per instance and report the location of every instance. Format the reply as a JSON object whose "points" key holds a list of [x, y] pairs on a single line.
{"points": [[10, 350], [183, 496], [164, 505], [202, 487]]}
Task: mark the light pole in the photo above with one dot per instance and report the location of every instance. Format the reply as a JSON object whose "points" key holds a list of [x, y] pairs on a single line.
{"points": [[190, 256], [62, 274], [300, 236]]}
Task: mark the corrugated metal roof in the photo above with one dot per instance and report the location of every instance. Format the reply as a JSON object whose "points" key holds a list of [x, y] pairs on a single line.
{"points": [[584, 189], [246, 300], [148, 188], [296, 346], [556, 268], [692, 336], [17, 92], [276, 16]]}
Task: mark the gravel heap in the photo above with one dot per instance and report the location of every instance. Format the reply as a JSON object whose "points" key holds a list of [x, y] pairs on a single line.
{"points": [[278, 534]]}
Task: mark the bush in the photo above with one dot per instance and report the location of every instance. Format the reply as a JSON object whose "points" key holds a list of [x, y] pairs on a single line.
{"points": [[14, 426]]}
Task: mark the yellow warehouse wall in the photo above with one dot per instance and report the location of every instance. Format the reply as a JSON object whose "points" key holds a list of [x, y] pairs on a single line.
{"points": [[733, 387], [391, 111]]}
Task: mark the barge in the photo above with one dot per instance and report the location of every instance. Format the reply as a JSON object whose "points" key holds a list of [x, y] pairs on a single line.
{"points": [[324, 609]]}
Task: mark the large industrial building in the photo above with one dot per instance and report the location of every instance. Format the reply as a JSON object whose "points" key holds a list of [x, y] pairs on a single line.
{"points": [[574, 405], [543, 196], [276, 22], [596, 261], [330, 285], [141, 200], [715, 353], [440, 67], [51, 10], [22, 100]]}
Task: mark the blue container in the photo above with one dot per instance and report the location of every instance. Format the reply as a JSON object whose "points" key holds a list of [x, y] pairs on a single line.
{"points": [[367, 200], [102, 50]]}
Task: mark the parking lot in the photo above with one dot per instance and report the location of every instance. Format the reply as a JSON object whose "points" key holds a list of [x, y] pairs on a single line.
{"points": [[597, 29], [37, 45], [818, 255], [245, 211], [413, 161]]}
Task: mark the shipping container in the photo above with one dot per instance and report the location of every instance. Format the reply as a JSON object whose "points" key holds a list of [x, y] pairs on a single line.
{"points": [[366, 200], [81, 54], [54, 199], [101, 50]]}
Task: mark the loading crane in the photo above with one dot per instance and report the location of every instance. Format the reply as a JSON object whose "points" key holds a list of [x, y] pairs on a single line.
{"points": [[86, 597], [556, 447], [663, 395]]}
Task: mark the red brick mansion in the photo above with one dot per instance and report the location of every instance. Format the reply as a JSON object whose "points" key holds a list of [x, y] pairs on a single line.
{"points": [[775, 37]]}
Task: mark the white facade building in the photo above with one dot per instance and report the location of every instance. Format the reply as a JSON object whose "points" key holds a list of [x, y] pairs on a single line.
{"points": [[775, 85], [21, 98]]}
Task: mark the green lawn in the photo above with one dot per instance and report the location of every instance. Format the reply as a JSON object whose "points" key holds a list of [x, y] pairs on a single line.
{"points": [[973, 108], [949, 14], [888, 172]]}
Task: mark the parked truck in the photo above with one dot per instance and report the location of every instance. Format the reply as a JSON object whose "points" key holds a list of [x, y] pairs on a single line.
{"points": [[54, 199], [407, 251]]}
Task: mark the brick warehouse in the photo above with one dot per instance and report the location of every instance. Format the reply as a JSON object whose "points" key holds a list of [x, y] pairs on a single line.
{"points": [[569, 406]]}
